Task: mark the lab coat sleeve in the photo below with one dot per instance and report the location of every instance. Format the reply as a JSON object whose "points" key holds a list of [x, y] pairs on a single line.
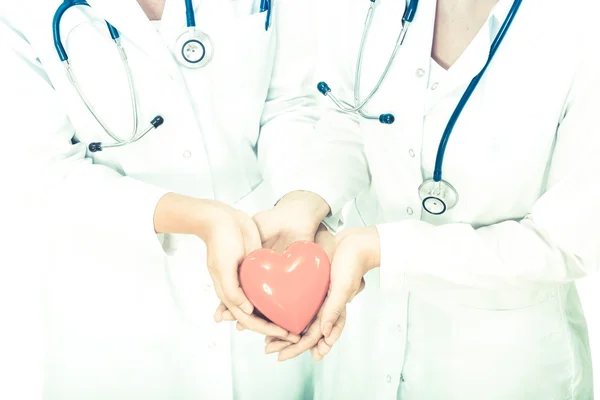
{"points": [[558, 241], [73, 193], [296, 153]]}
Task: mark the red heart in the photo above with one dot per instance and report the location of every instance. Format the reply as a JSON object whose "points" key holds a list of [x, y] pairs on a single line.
{"points": [[287, 288]]}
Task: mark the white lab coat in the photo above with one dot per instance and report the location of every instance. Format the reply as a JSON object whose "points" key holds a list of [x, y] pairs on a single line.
{"points": [[129, 314], [478, 303], [588, 292]]}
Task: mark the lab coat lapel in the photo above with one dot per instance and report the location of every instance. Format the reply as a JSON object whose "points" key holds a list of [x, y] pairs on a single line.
{"points": [[131, 21]]}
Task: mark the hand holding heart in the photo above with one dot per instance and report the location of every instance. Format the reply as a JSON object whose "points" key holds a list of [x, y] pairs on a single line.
{"points": [[297, 219], [352, 253], [287, 288]]}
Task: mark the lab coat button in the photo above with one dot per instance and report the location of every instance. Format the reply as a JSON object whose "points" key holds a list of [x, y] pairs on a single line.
{"points": [[388, 379], [187, 154], [399, 327], [411, 153], [420, 72], [207, 287], [409, 211], [212, 345], [434, 86]]}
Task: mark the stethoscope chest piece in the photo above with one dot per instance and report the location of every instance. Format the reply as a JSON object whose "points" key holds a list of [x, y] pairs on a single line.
{"points": [[194, 48], [438, 197]]}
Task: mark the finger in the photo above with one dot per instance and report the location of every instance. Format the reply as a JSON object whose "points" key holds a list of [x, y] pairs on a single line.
{"points": [[315, 354], [322, 229], [345, 280], [228, 316], [231, 294], [323, 348], [227, 287], [326, 240], [250, 233], [269, 339], [270, 243], [219, 312], [239, 326], [334, 307], [266, 228], [360, 289], [337, 330], [259, 325], [284, 241], [276, 346], [292, 339], [308, 341]]}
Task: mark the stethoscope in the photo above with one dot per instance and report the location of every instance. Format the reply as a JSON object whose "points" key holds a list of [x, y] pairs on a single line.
{"points": [[194, 49], [437, 195]]}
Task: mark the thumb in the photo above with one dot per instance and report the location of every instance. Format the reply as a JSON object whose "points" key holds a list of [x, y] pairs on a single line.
{"points": [[234, 296], [264, 223], [334, 307], [326, 240], [250, 234]]}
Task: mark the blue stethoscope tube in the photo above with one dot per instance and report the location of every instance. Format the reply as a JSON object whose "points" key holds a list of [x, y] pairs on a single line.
{"points": [[407, 19], [114, 33], [438, 196], [437, 174], [189, 14], [266, 6], [60, 49], [196, 52]]}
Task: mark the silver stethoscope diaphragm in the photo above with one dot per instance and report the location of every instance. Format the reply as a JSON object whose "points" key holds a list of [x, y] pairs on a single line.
{"points": [[437, 197], [194, 49]]}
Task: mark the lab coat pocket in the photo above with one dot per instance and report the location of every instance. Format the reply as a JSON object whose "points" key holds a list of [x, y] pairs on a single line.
{"points": [[525, 346]]}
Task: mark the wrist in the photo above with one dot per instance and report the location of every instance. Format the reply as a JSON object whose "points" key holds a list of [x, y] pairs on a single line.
{"points": [[176, 213], [310, 203], [368, 245]]}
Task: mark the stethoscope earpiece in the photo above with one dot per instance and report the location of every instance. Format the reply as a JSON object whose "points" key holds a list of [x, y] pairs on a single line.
{"points": [[387, 119], [323, 88]]}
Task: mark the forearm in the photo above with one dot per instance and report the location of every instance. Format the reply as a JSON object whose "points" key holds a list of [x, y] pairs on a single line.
{"points": [[176, 213], [310, 203]]}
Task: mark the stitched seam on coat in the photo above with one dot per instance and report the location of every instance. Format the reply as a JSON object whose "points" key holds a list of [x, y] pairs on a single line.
{"points": [[561, 293]]}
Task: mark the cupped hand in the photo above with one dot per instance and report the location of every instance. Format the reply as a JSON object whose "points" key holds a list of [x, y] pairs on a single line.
{"points": [[230, 235]]}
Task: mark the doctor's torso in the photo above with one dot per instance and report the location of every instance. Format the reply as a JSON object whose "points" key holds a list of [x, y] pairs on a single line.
{"points": [[212, 115], [131, 314], [498, 152], [458, 344]]}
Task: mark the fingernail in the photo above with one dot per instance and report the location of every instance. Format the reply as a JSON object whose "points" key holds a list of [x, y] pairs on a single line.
{"points": [[327, 328], [247, 308]]}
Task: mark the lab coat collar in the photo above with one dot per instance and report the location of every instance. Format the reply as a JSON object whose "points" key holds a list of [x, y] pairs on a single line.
{"points": [[131, 21], [477, 52], [497, 17], [475, 55]]}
